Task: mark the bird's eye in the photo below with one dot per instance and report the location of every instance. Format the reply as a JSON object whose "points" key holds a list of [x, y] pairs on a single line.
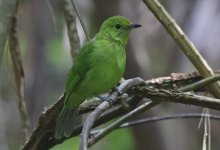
{"points": [[117, 26]]}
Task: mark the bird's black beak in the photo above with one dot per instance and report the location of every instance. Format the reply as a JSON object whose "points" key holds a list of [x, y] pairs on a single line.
{"points": [[133, 26]]}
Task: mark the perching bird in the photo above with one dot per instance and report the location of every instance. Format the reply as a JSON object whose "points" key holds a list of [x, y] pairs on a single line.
{"points": [[99, 66]]}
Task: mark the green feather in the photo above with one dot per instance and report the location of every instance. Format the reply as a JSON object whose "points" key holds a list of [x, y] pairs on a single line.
{"points": [[99, 66]]}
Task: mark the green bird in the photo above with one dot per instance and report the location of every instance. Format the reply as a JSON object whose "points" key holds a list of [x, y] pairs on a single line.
{"points": [[99, 66]]}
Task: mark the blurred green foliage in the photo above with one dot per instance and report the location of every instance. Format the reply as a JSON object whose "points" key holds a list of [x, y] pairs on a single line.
{"points": [[57, 55], [121, 139]]}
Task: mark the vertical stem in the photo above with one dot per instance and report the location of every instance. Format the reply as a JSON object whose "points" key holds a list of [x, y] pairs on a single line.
{"points": [[18, 73], [70, 19]]}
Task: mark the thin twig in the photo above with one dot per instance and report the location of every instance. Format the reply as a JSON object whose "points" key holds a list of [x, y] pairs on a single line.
{"points": [[205, 135], [104, 106], [168, 117], [117, 123], [209, 131], [207, 128], [200, 84], [81, 21], [184, 43], [18, 74], [177, 97], [161, 118], [201, 120]]}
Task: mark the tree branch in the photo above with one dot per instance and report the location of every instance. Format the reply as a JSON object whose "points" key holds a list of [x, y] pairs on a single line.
{"points": [[184, 43], [70, 19], [117, 123], [103, 107], [200, 84], [176, 96], [142, 108], [43, 136], [18, 74]]}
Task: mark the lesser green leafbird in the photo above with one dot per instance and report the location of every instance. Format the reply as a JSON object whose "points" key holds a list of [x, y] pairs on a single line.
{"points": [[99, 66]]}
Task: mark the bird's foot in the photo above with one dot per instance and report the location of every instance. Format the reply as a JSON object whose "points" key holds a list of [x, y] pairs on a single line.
{"points": [[104, 98], [115, 89], [122, 96]]}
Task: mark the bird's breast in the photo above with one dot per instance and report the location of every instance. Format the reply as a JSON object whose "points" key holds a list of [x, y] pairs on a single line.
{"points": [[108, 68]]}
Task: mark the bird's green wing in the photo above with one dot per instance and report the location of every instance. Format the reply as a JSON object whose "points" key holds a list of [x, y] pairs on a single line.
{"points": [[76, 75], [79, 69]]}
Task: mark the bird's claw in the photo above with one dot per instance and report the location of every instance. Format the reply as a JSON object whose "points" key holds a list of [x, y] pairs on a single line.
{"points": [[115, 89], [109, 100]]}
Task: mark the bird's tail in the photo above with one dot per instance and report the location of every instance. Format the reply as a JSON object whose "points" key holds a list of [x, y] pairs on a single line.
{"points": [[64, 126]]}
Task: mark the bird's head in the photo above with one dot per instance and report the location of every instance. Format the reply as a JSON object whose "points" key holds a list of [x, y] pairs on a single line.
{"points": [[117, 28]]}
